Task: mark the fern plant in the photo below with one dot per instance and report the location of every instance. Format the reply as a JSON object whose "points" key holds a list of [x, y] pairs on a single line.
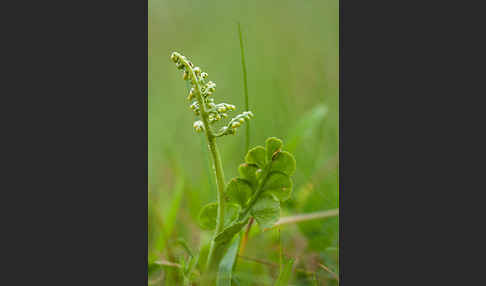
{"points": [[265, 176]]}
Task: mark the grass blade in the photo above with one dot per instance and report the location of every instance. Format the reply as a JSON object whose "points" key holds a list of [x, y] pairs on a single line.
{"points": [[285, 268], [175, 204], [163, 218], [315, 282], [280, 256], [227, 263], [286, 273], [245, 86]]}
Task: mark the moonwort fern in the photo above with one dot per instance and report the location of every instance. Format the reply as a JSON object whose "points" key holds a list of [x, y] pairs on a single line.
{"points": [[265, 176]]}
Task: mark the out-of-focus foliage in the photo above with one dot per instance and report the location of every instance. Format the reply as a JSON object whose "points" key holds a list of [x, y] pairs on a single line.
{"points": [[292, 57]]}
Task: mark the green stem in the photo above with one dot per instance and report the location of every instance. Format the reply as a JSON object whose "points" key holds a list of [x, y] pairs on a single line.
{"points": [[218, 172], [216, 251]]}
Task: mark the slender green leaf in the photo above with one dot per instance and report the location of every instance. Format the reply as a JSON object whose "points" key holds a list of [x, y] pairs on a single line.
{"points": [[175, 204], [163, 219], [280, 252], [285, 275], [245, 85], [192, 263], [153, 232], [227, 263], [182, 242], [187, 268], [203, 256]]}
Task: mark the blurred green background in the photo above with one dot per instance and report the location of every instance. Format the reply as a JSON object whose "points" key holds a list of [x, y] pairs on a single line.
{"points": [[292, 58]]}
